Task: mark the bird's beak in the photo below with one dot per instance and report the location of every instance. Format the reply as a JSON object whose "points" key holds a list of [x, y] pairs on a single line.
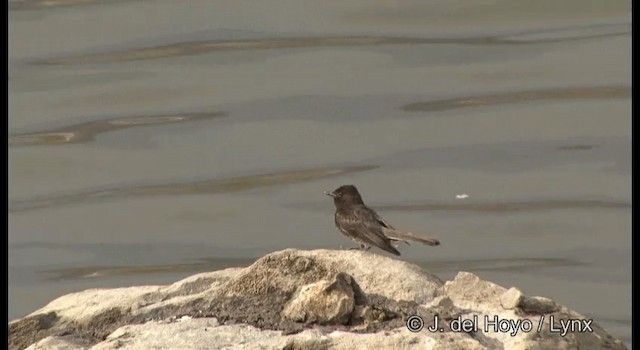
{"points": [[330, 194]]}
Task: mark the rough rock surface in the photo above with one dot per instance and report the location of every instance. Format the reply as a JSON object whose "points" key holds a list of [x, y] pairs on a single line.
{"points": [[323, 302], [294, 299]]}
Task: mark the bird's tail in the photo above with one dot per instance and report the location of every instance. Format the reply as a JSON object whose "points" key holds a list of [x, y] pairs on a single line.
{"points": [[408, 236]]}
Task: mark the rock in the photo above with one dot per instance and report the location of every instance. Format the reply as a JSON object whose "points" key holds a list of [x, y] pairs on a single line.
{"points": [[318, 299], [287, 270], [492, 304], [537, 305], [323, 302], [468, 291], [58, 343], [513, 299]]}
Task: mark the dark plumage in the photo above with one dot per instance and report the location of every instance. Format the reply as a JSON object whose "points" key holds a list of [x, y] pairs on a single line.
{"points": [[364, 226]]}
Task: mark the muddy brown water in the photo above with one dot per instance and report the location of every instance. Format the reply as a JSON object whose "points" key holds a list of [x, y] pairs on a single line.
{"points": [[149, 140]]}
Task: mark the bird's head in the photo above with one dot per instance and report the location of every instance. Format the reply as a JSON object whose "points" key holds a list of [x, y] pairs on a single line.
{"points": [[345, 195]]}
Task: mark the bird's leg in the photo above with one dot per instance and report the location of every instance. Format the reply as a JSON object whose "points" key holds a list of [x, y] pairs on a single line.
{"points": [[365, 247]]}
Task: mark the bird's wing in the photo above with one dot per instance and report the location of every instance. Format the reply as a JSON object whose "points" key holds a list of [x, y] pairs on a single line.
{"points": [[387, 225], [383, 222], [362, 222]]}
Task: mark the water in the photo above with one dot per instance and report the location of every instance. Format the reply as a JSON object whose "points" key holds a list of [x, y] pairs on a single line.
{"points": [[150, 140]]}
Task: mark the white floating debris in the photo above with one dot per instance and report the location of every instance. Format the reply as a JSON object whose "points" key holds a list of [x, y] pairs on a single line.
{"points": [[462, 196], [91, 275]]}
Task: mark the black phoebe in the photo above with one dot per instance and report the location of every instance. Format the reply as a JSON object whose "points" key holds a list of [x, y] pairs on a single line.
{"points": [[364, 226]]}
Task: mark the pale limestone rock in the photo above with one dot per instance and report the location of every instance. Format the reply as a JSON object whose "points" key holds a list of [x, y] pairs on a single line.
{"points": [[319, 286], [82, 306], [325, 301], [56, 343], [375, 274], [511, 298]]}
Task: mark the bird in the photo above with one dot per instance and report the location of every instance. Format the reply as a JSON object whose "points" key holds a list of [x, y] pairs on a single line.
{"points": [[366, 227]]}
